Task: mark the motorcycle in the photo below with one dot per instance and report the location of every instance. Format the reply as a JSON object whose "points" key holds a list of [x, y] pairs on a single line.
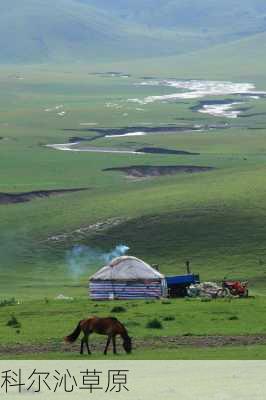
{"points": [[233, 288]]}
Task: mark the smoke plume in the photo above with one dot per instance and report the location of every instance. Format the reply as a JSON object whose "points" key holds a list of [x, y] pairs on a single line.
{"points": [[80, 258]]}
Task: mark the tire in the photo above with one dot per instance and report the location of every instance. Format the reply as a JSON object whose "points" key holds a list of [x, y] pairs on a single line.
{"points": [[245, 294], [223, 293]]}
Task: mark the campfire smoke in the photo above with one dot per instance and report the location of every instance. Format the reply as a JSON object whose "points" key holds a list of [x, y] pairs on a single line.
{"points": [[118, 251], [80, 258]]}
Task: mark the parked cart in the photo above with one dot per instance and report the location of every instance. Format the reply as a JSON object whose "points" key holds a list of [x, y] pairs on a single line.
{"points": [[205, 289], [214, 290]]}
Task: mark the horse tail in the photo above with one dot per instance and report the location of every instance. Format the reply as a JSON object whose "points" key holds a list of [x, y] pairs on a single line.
{"points": [[74, 335]]}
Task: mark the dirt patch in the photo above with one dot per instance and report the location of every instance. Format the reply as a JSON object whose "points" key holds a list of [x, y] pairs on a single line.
{"points": [[142, 171], [160, 150], [148, 343], [13, 198], [213, 341]]}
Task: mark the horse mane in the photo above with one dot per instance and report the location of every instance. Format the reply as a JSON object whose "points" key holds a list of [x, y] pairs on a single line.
{"points": [[124, 334]]}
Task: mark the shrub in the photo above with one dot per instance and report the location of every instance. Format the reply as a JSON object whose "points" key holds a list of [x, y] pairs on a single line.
{"points": [[13, 322], [166, 302], [233, 318], [169, 318], [8, 302], [154, 324], [118, 309]]}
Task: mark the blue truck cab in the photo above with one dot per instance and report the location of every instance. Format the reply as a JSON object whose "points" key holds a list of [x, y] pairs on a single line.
{"points": [[177, 285]]}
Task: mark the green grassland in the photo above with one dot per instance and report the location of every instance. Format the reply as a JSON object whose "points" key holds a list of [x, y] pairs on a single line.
{"points": [[190, 318], [216, 218], [221, 317]]}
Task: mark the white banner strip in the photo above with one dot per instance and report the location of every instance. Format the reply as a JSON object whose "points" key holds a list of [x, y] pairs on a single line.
{"points": [[147, 380]]}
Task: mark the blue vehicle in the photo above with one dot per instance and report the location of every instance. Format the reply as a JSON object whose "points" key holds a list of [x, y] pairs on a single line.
{"points": [[178, 285]]}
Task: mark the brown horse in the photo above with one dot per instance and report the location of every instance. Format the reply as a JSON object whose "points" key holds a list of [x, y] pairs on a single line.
{"points": [[104, 326]]}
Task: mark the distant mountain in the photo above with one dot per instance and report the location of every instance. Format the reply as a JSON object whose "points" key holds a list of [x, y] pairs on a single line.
{"points": [[33, 31], [45, 30], [224, 17], [59, 30]]}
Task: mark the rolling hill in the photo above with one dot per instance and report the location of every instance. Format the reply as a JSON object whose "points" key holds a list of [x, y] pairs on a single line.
{"points": [[33, 31], [43, 31], [240, 60], [227, 19]]}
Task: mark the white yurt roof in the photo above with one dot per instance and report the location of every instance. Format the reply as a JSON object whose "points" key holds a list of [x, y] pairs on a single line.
{"points": [[127, 268]]}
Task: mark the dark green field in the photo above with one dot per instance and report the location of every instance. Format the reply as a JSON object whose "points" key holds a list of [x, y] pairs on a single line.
{"points": [[216, 218]]}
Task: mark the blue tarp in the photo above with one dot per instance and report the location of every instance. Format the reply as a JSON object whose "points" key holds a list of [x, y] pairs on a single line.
{"points": [[182, 279]]}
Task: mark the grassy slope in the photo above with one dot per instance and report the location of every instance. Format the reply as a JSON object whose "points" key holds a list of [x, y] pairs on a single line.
{"points": [[227, 17], [89, 31], [216, 219], [69, 30], [241, 59], [83, 32]]}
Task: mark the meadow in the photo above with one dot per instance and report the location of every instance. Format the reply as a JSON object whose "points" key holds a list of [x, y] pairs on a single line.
{"points": [[215, 219], [188, 328]]}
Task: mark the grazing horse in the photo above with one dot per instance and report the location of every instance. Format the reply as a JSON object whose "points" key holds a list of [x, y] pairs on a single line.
{"points": [[104, 326]]}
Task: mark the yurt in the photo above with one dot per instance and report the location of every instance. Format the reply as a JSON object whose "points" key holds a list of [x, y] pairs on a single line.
{"points": [[127, 278]]}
